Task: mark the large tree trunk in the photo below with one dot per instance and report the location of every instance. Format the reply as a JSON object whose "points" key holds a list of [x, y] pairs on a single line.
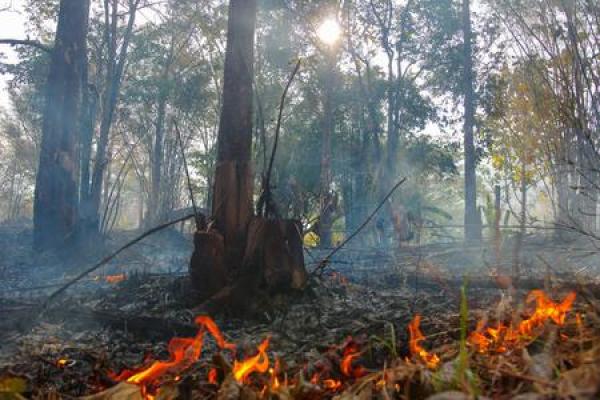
{"points": [[243, 257], [56, 204], [232, 199], [472, 221]]}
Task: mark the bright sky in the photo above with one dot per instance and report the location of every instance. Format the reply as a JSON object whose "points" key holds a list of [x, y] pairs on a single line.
{"points": [[12, 26]]}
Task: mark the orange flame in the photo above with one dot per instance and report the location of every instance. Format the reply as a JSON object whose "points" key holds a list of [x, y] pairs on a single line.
{"points": [[504, 337], [212, 327], [351, 352], [212, 376], [183, 353], [332, 384], [259, 363], [112, 279], [416, 336]]}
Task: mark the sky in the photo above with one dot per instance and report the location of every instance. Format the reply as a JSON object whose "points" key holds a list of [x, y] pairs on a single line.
{"points": [[12, 26]]}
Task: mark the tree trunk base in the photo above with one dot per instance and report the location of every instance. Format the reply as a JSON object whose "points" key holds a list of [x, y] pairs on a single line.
{"points": [[273, 263]]}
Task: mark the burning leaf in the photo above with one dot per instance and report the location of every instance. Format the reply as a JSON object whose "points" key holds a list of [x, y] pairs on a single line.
{"points": [[258, 363], [416, 336]]}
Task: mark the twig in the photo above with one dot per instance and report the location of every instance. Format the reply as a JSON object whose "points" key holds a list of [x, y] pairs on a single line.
{"points": [[319, 269], [266, 196], [187, 174], [108, 258]]}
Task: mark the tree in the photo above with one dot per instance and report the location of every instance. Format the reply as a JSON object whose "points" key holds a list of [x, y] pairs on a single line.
{"points": [[232, 201], [56, 205], [472, 218]]}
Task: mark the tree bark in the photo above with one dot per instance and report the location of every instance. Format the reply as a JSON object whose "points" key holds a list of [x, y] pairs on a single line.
{"points": [[56, 203], [232, 198], [472, 223]]}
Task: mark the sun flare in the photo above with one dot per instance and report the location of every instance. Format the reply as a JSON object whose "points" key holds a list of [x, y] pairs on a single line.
{"points": [[329, 31]]}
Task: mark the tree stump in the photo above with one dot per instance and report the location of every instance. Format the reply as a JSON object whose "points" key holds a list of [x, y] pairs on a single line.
{"points": [[273, 263], [207, 265]]}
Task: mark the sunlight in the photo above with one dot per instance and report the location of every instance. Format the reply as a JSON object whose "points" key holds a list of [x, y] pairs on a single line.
{"points": [[329, 31]]}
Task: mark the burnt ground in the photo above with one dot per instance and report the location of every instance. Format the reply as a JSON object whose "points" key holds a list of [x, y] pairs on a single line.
{"points": [[367, 293]]}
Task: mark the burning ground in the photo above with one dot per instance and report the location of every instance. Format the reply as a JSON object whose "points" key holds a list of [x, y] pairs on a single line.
{"points": [[134, 335]]}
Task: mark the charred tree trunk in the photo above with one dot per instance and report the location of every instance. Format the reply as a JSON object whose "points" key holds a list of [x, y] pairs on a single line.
{"points": [[56, 204], [472, 223], [242, 254]]}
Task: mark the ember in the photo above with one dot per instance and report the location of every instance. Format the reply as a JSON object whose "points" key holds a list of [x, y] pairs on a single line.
{"points": [[112, 279]]}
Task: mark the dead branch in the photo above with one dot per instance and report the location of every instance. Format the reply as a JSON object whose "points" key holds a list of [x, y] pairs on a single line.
{"points": [[323, 264], [197, 219], [265, 198]]}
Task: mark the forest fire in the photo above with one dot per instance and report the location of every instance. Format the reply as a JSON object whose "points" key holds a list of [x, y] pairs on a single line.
{"points": [[504, 337], [184, 352]]}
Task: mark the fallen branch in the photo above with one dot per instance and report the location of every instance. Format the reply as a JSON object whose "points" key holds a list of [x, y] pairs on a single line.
{"points": [[108, 258], [325, 261]]}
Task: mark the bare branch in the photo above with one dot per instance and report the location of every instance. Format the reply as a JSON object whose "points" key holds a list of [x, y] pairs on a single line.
{"points": [[27, 42]]}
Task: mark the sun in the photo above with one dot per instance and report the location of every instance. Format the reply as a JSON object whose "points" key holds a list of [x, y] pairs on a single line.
{"points": [[329, 31]]}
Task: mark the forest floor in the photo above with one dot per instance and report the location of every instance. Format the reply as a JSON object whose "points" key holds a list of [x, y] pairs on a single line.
{"points": [[346, 336]]}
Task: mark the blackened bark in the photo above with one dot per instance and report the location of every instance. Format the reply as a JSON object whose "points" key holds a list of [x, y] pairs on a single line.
{"points": [[56, 204], [472, 222], [232, 198]]}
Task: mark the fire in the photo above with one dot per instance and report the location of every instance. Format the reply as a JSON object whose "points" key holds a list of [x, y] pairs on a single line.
{"points": [[258, 363], [350, 353], [416, 336], [112, 279], [183, 353], [504, 337], [62, 363], [212, 327], [332, 384], [212, 376]]}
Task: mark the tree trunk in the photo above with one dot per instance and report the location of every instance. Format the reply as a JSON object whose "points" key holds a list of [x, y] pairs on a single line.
{"points": [[56, 204], [241, 259], [472, 223], [327, 129], [232, 198], [114, 74], [155, 208]]}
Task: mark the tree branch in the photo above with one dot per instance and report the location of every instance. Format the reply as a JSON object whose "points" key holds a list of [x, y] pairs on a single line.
{"points": [[27, 42]]}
